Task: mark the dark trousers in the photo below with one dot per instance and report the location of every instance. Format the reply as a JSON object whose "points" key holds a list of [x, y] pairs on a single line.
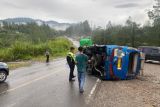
{"points": [[71, 71], [47, 58]]}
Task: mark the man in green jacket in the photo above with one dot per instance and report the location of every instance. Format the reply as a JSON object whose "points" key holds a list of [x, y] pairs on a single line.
{"points": [[81, 61]]}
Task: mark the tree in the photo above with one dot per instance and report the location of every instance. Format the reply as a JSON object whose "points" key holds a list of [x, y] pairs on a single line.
{"points": [[155, 13], [155, 16], [79, 29], [87, 29], [133, 27]]}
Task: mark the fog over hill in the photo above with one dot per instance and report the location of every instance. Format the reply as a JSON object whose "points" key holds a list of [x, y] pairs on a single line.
{"points": [[53, 24]]}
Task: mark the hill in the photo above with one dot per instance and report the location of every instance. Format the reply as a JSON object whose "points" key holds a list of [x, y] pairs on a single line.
{"points": [[53, 24]]}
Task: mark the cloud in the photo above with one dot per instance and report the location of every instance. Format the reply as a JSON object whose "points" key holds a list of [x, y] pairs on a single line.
{"points": [[96, 11], [13, 5], [128, 5]]}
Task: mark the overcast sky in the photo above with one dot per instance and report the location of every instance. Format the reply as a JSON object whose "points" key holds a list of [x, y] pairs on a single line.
{"points": [[98, 12]]}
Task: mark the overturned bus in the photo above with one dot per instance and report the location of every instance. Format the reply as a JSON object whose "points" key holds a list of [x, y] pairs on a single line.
{"points": [[112, 62]]}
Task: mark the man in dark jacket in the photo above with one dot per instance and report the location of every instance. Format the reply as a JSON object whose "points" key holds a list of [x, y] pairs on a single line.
{"points": [[71, 62]]}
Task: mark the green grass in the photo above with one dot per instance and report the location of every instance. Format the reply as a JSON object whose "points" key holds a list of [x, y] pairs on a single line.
{"points": [[26, 50]]}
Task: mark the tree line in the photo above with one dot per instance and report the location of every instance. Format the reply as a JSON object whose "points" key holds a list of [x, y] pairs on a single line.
{"points": [[10, 32], [79, 29], [130, 34]]}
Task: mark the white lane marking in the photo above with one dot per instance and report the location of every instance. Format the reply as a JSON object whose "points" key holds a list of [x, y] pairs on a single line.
{"points": [[28, 83], [92, 91]]}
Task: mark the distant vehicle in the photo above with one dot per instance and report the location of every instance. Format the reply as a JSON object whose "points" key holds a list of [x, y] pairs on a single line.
{"points": [[4, 71], [151, 52], [86, 42]]}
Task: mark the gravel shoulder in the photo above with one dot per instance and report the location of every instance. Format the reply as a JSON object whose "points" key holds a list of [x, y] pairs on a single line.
{"points": [[141, 92]]}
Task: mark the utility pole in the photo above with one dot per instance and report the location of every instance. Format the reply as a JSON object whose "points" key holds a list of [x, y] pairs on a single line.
{"points": [[91, 35], [133, 35]]}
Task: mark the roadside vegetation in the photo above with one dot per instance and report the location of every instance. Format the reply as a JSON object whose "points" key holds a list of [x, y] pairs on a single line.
{"points": [[30, 41], [25, 50]]}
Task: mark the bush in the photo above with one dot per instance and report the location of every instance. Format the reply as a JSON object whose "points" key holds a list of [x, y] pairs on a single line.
{"points": [[21, 50]]}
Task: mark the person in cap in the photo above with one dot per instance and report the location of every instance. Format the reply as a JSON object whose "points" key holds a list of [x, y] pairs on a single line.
{"points": [[71, 62]]}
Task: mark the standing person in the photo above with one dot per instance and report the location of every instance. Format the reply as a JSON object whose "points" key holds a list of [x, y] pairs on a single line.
{"points": [[81, 61], [71, 62], [142, 62], [47, 56]]}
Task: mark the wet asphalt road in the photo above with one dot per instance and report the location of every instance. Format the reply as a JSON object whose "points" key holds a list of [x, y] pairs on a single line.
{"points": [[44, 85]]}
